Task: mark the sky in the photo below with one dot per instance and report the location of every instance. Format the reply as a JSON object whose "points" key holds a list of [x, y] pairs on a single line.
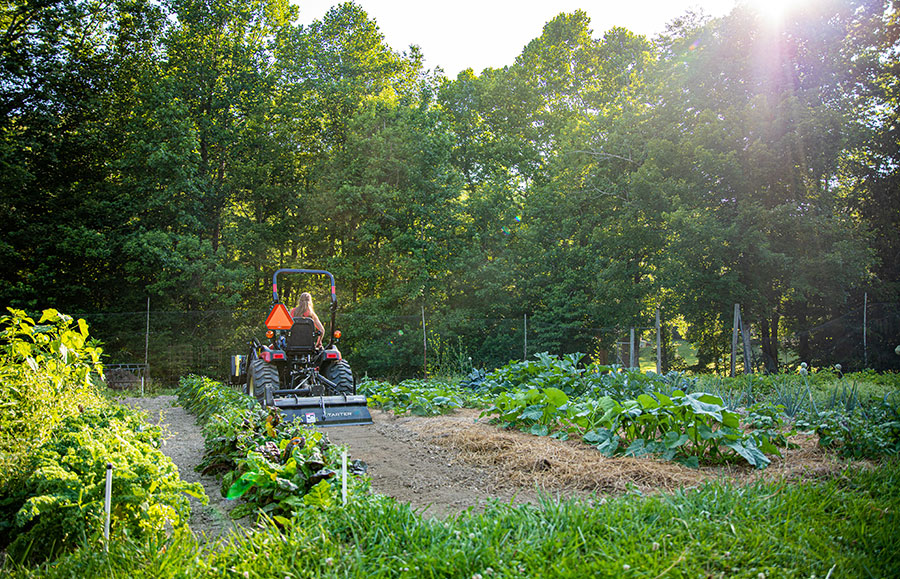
{"points": [[462, 34]]}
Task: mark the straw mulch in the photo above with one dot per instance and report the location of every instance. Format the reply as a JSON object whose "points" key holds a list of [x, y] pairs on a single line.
{"points": [[519, 459]]}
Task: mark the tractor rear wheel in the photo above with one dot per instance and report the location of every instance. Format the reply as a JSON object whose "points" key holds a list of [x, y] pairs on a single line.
{"points": [[342, 376], [262, 380]]}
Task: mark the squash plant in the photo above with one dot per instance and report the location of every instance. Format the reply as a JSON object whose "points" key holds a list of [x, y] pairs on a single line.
{"points": [[682, 427]]}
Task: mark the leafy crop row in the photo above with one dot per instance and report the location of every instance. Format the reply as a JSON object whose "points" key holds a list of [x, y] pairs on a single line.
{"points": [[421, 397], [684, 427], [59, 434], [684, 418], [278, 467], [60, 505]]}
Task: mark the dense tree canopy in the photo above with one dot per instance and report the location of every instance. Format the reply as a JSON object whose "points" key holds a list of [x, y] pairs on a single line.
{"points": [[184, 150]]}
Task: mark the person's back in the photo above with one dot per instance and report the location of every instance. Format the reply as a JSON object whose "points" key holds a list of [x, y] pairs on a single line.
{"points": [[304, 309]]}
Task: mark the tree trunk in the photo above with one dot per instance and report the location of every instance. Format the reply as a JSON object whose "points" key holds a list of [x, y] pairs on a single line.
{"points": [[666, 342], [803, 346], [769, 331]]}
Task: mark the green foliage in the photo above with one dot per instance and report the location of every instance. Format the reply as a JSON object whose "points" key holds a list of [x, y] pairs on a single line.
{"points": [[677, 427], [845, 525], [420, 397], [61, 504], [207, 399], [58, 435], [857, 431], [227, 417], [47, 369], [272, 464]]}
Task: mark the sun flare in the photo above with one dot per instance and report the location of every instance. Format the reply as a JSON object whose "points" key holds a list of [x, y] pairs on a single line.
{"points": [[775, 11]]}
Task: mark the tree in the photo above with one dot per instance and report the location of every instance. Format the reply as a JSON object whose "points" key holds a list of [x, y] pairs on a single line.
{"points": [[755, 126], [67, 69]]}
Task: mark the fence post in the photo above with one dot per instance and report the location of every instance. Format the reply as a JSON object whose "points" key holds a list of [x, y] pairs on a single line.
{"points": [[525, 345], [632, 356], [745, 333], [658, 344], [865, 347], [734, 336], [147, 342], [424, 345]]}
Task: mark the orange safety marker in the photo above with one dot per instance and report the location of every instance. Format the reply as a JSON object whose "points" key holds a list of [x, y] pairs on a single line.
{"points": [[279, 318]]}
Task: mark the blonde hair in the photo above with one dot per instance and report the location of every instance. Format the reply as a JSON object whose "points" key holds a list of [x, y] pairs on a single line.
{"points": [[304, 304]]}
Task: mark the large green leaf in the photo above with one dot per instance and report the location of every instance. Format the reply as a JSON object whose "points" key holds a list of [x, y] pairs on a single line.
{"points": [[241, 486], [319, 496], [555, 396]]}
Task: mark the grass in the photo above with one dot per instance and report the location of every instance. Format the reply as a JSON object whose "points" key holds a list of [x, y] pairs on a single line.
{"points": [[685, 351], [841, 528]]}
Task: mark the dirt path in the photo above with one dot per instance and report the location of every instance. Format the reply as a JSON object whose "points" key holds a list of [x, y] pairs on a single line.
{"points": [[410, 466], [183, 443]]}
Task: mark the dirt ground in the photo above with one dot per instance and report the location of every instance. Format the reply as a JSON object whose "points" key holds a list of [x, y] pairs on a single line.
{"points": [[445, 465], [183, 443]]}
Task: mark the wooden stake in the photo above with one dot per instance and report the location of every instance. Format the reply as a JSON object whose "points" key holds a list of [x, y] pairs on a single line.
{"points": [[658, 344], [734, 336]]}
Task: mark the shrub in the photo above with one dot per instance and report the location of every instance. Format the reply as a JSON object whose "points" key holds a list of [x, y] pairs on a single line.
{"points": [[46, 368]]}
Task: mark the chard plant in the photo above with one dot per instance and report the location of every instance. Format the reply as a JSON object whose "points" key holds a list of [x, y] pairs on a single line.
{"points": [[276, 467]]}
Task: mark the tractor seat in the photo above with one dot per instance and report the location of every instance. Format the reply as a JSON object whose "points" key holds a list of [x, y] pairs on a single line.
{"points": [[302, 337]]}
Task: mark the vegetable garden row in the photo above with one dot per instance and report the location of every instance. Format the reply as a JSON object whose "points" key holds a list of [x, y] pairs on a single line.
{"points": [[58, 431]]}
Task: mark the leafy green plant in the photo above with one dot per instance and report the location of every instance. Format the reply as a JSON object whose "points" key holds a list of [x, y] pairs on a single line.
{"points": [[60, 505], [277, 478], [536, 410], [47, 369], [420, 397], [686, 427], [858, 433], [270, 463], [226, 417], [545, 371], [205, 397]]}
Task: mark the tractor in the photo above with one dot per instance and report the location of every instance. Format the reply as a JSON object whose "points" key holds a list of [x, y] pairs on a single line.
{"points": [[289, 371]]}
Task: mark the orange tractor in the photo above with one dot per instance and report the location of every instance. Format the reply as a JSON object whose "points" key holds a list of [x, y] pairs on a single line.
{"points": [[291, 372]]}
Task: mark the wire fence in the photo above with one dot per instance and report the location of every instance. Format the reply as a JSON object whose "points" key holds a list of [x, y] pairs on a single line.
{"points": [[162, 346]]}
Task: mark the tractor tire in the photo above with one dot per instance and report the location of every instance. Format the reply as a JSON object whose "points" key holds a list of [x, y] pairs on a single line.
{"points": [[262, 380], [342, 376]]}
